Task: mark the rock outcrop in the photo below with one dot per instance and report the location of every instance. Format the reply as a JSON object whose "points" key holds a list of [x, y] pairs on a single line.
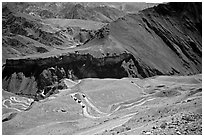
{"points": [[32, 76]]}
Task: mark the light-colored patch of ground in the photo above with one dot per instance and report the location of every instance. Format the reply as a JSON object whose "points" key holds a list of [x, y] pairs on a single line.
{"points": [[156, 105], [83, 24]]}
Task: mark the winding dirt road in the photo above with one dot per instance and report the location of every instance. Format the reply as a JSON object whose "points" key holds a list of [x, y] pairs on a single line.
{"points": [[25, 103], [111, 123], [13, 104]]}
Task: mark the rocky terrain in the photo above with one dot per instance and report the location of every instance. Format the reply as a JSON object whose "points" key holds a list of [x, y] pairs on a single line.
{"points": [[86, 68], [158, 105]]}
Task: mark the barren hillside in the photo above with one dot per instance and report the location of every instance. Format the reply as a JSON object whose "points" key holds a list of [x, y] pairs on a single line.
{"points": [[95, 68]]}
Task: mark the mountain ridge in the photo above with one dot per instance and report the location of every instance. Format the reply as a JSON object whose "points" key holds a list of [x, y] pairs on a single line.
{"points": [[137, 36]]}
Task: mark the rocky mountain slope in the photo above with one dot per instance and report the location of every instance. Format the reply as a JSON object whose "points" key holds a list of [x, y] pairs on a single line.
{"points": [[164, 38], [69, 10], [156, 41], [101, 14], [96, 11], [25, 34]]}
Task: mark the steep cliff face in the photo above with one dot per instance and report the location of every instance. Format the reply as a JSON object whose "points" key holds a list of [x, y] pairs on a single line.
{"points": [[31, 76]]}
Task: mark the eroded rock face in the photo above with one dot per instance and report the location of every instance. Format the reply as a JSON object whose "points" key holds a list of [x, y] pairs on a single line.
{"points": [[19, 84], [83, 36], [46, 74]]}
